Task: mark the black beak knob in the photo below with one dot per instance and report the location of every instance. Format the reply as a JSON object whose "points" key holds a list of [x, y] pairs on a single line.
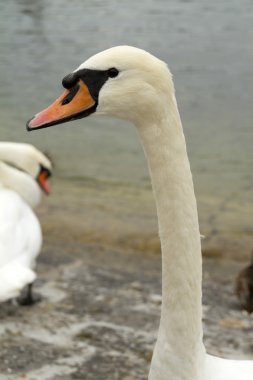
{"points": [[70, 81]]}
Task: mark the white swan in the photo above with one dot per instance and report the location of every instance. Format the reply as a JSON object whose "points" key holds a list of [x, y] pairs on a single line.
{"points": [[131, 84], [28, 159], [20, 232]]}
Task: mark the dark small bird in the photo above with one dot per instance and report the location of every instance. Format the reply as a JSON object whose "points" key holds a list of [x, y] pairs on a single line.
{"points": [[244, 287]]}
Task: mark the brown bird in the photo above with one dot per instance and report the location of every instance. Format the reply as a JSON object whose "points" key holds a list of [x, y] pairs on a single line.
{"points": [[244, 287]]}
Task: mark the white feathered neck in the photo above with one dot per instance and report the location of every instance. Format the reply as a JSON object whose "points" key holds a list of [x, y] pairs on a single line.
{"points": [[21, 183], [144, 94], [179, 351], [24, 156]]}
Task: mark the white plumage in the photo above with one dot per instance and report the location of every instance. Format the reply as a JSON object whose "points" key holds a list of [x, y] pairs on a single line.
{"points": [[20, 231], [143, 92]]}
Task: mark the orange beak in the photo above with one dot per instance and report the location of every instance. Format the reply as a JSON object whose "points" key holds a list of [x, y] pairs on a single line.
{"points": [[72, 104], [43, 181]]}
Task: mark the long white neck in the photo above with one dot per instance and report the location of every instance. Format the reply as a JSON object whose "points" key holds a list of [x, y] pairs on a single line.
{"points": [[24, 156], [11, 152], [21, 183], [179, 349]]}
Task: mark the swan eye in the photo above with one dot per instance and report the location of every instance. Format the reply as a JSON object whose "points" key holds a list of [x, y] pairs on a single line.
{"points": [[112, 73]]}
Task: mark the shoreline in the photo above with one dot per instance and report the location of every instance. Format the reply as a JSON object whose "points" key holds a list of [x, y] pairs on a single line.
{"points": [[122, 216]]}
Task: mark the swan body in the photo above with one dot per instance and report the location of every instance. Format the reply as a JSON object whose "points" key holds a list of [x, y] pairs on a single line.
{"points": [[20, 231], [131, 84], [14, 277]]}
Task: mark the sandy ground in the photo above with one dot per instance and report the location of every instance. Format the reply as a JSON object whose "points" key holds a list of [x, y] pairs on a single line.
{"points": [[99, 315]]}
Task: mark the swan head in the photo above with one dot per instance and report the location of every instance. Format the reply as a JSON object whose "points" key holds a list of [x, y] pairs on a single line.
{"points": [[123, 82], [28, 159], [12, 178]]}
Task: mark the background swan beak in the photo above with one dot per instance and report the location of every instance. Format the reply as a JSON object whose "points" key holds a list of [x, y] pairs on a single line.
{"points": [[72, 104], [43, 181]]}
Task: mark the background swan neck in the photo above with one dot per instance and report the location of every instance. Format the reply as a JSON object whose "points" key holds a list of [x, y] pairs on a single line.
{"points": [[21, 183], [179, 349], [10, 152], [24, 156]]}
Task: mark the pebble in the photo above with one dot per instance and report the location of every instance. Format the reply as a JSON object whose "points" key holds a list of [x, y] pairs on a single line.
{"points": [[156, 299]]}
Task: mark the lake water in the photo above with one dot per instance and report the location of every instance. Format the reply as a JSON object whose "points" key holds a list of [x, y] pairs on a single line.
{"points": [[209, 49]]}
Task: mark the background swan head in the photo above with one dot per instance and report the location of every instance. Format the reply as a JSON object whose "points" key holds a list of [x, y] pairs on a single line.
{"points": [[124, 82], [21, 183], [28, 159]]}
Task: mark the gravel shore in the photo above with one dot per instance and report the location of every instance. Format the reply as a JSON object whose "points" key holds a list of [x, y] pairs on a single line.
{"points": [[99, 315], [99, 275]]}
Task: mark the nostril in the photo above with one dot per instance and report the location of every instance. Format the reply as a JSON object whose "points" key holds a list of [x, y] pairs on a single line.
{"points": [[70, 95], [69, 80]]}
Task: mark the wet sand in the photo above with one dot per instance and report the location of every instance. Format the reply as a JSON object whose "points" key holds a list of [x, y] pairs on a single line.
{"points": [[122, 216], [100, 306]]}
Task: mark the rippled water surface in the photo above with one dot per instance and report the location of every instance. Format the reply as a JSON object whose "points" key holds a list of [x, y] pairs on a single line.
{"points": [[209, 49]]}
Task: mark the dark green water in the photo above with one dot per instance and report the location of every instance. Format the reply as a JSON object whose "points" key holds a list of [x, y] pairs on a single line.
{"points": [[208, 47]]}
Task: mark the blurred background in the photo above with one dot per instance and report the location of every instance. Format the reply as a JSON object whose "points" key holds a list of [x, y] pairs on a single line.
{"points": [[99, 271], [101, 174]]}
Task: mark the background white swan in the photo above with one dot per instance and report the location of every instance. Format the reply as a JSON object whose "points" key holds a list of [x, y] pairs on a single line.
{"points": [[20, 232], [28, 159], [131, 84]]}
